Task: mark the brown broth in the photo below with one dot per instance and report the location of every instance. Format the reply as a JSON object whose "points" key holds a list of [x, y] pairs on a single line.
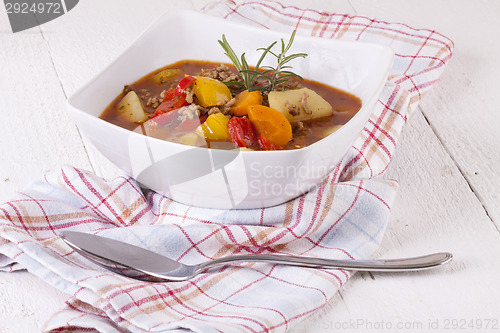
{"points": [[345, 105]]}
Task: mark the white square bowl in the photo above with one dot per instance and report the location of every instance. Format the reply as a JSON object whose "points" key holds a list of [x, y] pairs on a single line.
{"points": [[227, 179]]}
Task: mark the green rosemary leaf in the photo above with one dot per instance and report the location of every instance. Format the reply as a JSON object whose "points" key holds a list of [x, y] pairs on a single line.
{"points": [[269, 71], [233, 83], [269, 67], [230, 52], [266, 78], [283, 46], [287, 76], [287, 72], [251, 71], [257, 73], [266, 51], [289, 42], [274, 54], [248, 79], [259, 88], [298, 76], [293, 56], [281, 81]]}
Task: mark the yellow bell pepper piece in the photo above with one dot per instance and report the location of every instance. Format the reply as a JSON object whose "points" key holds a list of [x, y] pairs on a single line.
{"points": [[190, 139], [210, 92], [215, 128], [165, 75]]}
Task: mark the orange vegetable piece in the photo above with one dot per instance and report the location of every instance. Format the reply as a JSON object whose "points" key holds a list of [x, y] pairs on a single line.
{"points": [[243, 100], [270, 123]]}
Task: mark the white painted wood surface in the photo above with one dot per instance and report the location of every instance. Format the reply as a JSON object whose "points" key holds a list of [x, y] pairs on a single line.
{"points": [[447, 160]]}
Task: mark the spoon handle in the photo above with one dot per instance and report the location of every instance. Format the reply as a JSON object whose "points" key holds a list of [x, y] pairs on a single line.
{"points": [[389, 265]]}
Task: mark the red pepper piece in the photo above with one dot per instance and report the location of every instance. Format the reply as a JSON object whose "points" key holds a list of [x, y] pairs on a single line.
{"points": [[242, 132], [171, 102], [175, 98], [190, 125], [184, 84], [162, 119], [266, 144]]}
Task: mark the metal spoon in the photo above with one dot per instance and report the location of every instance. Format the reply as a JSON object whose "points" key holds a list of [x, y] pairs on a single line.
{"points": [[138, 263]]}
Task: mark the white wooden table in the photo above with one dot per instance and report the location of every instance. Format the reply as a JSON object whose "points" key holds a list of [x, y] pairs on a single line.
{"points": [[447, 160]]}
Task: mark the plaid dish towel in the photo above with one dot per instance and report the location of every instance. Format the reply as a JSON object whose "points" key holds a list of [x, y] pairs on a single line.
{"points": [[344, 217]]}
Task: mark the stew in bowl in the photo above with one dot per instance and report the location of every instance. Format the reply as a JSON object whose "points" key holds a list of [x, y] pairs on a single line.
{"points": [[221, 150]]}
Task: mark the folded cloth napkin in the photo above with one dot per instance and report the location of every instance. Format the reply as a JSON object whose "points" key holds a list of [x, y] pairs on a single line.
{"points": [[344, 217]]}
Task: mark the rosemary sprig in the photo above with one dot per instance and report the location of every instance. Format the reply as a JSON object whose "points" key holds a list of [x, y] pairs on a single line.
{"points": [[272, 76], [242, 66], [280, 73]]}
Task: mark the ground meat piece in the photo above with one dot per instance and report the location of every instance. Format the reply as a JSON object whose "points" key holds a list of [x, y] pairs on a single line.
{"points": [[144, 94], [225, 74], [210, 73], [297, 127], [189, 95], [303, 102], [227, 107], [188, 112], [127, 89], [293, 109], [265, 98], [230, 103], [236, 88], [221, 73], [154, 102], [224, 109], [288, 85], [213, 110], [201, 109]]}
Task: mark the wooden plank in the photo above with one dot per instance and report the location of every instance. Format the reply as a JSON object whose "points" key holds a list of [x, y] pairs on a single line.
{"points": [[103, 32], [36, 136], [463, 112], [26, 302]]}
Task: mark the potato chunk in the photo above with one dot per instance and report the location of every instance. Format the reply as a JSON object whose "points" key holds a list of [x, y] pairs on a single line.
{"points": [[300, 104], [131, 107]]}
